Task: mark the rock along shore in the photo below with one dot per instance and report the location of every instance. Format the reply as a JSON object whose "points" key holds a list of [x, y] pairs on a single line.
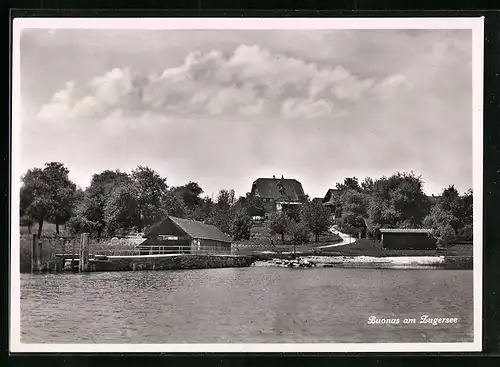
{"points": [[370, 262]]}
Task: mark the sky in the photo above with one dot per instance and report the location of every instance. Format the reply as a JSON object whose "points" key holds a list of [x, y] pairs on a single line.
{"points": [[225, 107]]}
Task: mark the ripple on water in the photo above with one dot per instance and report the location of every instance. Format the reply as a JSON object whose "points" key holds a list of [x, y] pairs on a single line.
{"points": [[245, 305]]}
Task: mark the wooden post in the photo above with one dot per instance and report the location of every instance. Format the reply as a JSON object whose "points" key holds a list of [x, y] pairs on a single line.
{"points": [[33, 253], [84, 253], [72, 254], [39, 255]]}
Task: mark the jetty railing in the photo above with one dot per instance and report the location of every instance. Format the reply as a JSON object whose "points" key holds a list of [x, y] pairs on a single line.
{"points": [[158, 250], [54, 254]]}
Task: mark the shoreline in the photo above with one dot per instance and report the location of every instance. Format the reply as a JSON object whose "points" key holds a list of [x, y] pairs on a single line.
{"points": [[372, 262]]}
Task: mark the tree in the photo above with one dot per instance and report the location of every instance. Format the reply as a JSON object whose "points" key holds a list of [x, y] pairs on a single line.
{"points": [[451, 216], [25, 201], [354, 211], [299, 232], [93, 204], [80, 224], [254, 205], [465, 231], [279, 223], [316, 217], [367, 185], [441, 222], [190, 194], [350, 183], [174, 205], [395, 202], [222, 213], [122, 211], [150, 189], [48, 193], [241, 226]]}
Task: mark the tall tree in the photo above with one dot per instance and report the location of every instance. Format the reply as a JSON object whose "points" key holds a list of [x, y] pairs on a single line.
{"points": [[280, 223], [97, 196], [350, 183], [25, 201], [151, 188], [174, 205], [222, 213], [190, 194], [241, 225], [50, 192], [397, 201], [122, 210], [316, 217], [354, 211], [254, 205]]}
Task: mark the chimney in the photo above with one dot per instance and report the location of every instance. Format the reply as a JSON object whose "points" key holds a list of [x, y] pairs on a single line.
{"points": [[274, 176], [282, 177]]}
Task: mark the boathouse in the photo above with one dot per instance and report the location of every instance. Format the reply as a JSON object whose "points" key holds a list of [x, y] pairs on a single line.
{"points": [[407, 239], [178, 235], [278, 193]]}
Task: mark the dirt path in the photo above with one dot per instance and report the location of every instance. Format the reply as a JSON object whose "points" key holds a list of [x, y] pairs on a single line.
{"points": [[346, 239]]}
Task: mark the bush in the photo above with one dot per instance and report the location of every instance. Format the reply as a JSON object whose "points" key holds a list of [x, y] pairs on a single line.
{"points": [[299, 233], [241, 226]]}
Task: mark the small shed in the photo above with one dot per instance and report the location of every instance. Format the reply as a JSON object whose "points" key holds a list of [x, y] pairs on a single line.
{"points": [[407, 239], [179, 235]]}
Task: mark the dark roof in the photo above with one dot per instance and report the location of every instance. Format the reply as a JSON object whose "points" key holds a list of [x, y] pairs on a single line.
{"points": [[330, 195], [317, 200], [268, 188], [197, 230], [405, 230]]}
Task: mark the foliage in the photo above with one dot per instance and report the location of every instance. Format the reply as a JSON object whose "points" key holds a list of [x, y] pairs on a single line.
{"points": [[80, 224], [279, 223], [122, 209], [93, 204], [254, 205], [316, 217], [222, 214], [47, 193], [190, 194], [241, 226], [150, 188], [354, 211], [173, 205], [350, 183], [395, 202], [299, 232], [451, 217]]}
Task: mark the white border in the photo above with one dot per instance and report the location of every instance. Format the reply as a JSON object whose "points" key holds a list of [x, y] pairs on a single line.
{"points": [[475, 24]]}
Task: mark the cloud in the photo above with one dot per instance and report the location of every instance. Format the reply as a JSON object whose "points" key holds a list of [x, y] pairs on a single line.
{"points": [[250, 81]]}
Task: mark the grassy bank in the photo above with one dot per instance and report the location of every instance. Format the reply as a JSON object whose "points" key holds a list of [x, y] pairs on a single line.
{"points": [[365, 247], [267, 243]]}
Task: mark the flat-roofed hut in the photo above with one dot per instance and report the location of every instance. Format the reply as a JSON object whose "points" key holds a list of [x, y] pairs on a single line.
{"points": [[407, 239]]}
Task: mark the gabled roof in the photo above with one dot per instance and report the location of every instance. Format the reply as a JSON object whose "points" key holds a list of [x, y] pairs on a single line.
{"points": [[330, 196], [269, 188], [195, 229]]}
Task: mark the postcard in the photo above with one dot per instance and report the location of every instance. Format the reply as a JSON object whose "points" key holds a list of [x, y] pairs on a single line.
{"points": [[246, 185]]}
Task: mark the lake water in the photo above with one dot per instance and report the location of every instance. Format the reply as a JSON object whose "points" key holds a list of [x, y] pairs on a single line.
{"points": [[245, 305]]}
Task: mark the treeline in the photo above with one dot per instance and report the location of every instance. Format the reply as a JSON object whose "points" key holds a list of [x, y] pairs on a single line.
{"points": [[399, 201], [117, 203]]}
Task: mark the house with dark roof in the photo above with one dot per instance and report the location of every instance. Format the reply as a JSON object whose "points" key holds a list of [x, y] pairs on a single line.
{"points": [[278, 193], [178, 235], [331, 197], [407, 239]]}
